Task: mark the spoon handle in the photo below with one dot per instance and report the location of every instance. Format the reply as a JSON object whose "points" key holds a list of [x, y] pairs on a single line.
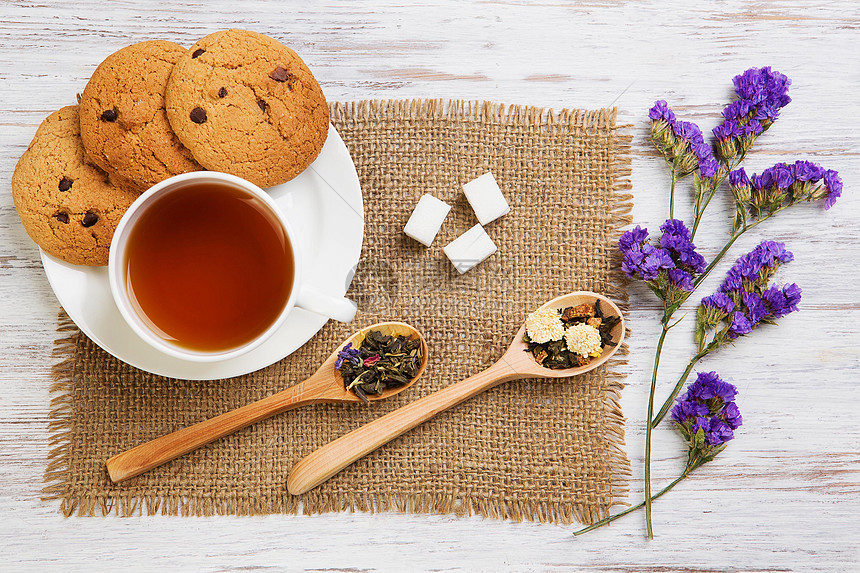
{"points": [[328, 460], [161, 450]]}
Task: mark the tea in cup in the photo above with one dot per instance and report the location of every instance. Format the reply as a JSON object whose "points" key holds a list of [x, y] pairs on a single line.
{"points": [[203, 266]]}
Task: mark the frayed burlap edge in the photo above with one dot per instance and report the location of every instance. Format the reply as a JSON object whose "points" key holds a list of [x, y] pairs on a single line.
{"points": [[56, 481], [60, 418]]}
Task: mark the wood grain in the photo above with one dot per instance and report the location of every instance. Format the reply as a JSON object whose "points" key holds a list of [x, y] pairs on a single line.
{"points": [[515, 363], [783, 497], [323, 386]]}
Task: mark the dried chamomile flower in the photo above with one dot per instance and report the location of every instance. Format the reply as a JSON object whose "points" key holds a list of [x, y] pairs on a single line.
{"points": [[583, 339], [544, 325]]}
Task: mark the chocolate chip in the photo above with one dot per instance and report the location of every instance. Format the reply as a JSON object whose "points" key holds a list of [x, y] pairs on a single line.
{"points": [[280, 74], [89, 219], [109, 115], [62, 218], [198, 52], [65, 184], [263, 105], [222, 92], [198, 115]]}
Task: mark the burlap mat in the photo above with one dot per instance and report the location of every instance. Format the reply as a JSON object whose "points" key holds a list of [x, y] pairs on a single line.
{"points": [[537, 450]]}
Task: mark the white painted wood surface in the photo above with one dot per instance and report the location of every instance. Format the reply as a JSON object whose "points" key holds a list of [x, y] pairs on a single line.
{"points": [[785, 496]]}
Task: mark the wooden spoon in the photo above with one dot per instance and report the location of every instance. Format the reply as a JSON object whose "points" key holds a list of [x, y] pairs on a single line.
{"points": [[325, 385], [515, 363]]}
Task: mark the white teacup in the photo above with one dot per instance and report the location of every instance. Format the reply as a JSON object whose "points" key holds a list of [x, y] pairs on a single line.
{"points": [[300, 294]]}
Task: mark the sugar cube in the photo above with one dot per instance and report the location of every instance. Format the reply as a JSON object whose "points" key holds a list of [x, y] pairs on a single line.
{"points": [[470, 248], [486, 198], [426, 219]]}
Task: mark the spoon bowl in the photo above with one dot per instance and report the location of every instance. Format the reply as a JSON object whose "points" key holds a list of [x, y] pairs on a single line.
{"points": [[387, 328], [516, 363], [324, 386], [519, 357]]}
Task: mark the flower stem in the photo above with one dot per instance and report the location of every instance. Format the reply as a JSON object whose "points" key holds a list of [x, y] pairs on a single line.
{"points": [[714, 187], [676, 390], [719, 256], [648, 501], [672, 195], [666, 318], [735, 236], [701, 211]]}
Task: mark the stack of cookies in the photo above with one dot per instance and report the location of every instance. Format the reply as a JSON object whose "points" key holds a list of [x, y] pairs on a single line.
{"points": [[236, 101]]}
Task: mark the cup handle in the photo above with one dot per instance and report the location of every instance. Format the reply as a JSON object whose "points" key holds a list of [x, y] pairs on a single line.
{"points": [[339, 308]]}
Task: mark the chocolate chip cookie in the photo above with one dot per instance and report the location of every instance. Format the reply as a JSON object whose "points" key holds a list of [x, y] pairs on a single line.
{"points": [[246, 104], [68, 207], [124, 125]]}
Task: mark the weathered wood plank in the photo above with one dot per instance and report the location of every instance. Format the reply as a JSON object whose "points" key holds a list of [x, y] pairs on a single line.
{"points": [[784, 496]]}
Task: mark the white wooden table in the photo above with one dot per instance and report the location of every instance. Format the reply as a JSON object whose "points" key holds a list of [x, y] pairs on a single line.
{"points": [[785, 496]]}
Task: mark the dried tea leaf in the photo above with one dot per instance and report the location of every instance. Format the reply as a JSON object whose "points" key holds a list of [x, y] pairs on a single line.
{"points": [[379, 363]]}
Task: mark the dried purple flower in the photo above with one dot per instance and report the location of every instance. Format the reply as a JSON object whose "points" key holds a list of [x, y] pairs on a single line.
{"points": [[807, 171], [669, 267], [738, 109], [767, 255], [719, 301], [740, 325], [716, 431], [709, 385], [762, 94], [635, 236], [656, 261], [725, 130], [833, 185], [681, 140], [783, 185], [781, 301], [677, 228], [731, 415], [775, 300], [681, 279], [696, 153], [754, 308], [752, 301], [752, 129], [761, 86], [661, 111], [708, 166], [770, 253], [677, 239], [792, 294], [712, 310], [707, 414], [782, 175], [688, 130], [757, 182], [348, 353], [738, 178], [686, 409], [632, 260]]}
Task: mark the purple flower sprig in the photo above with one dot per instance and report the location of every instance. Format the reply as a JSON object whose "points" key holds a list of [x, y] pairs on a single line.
{"points": [[743, 302], [707, 416], [746, 299], [668, 267], [761, 92], [755, 301], [763, 195], [681, 143]]}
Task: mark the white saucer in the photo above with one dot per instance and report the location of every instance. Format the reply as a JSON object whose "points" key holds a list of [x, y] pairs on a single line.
{"points": [[325, 208]]}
